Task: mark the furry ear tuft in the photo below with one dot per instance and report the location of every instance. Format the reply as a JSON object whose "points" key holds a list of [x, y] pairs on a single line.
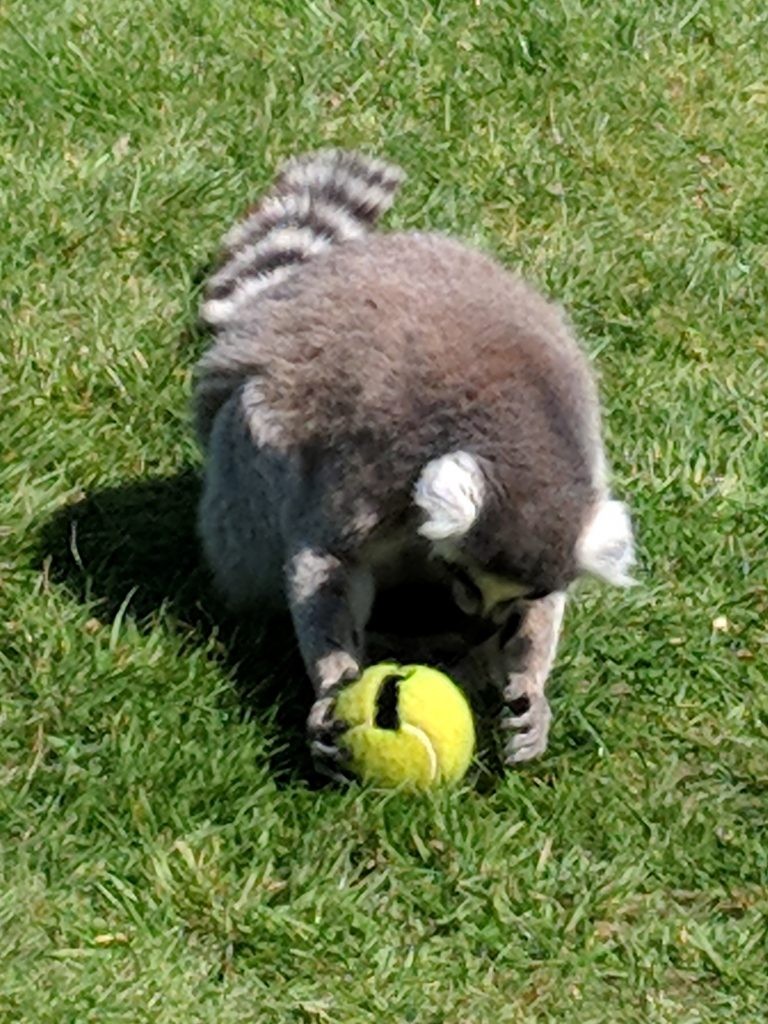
{"points": [[606, 547], [450, 492]]}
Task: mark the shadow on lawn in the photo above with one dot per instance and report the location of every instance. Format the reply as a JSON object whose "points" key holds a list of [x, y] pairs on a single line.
{"points": [[139, 539]]}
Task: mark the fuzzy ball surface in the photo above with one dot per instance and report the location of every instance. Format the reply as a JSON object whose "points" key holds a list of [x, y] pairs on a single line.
{"points": [[409, 725]]}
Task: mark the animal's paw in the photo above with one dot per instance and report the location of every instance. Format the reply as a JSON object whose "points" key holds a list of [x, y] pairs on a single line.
{"points": [[324, 730], [527, 716]]}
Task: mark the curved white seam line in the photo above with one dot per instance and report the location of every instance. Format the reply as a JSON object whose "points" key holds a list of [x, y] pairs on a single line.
{"points": [[414, 730]]}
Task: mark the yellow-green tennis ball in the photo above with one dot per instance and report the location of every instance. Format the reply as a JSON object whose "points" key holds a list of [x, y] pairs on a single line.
{"points": [[408, 725]]}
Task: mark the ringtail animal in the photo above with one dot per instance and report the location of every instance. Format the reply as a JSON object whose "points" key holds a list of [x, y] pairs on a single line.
{"points": [[389, 409]]}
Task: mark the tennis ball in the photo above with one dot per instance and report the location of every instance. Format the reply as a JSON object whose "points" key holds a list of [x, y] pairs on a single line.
{"points": [[408, 725]]}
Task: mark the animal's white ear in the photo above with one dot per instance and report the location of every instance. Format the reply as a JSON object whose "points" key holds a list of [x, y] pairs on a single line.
{"points": [[606, 548], [450, 492]]}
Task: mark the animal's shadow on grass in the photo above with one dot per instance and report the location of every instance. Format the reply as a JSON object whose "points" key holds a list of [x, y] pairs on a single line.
{"points": [[135, 545]]}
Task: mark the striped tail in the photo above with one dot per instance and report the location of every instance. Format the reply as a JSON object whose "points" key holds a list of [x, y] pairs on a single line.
{"points": [[318, 200]]}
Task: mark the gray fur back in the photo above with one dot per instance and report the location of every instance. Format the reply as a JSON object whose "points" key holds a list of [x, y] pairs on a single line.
{"points": [[318, 200], [394, 349]]}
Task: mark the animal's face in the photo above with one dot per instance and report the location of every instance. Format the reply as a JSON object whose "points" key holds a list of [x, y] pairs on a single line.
{"points": [[481, 593], [492, 604], [430, 628], [453, 609]]}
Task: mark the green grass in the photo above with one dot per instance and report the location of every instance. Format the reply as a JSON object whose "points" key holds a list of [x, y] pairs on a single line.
{"points": [[163, 857]]}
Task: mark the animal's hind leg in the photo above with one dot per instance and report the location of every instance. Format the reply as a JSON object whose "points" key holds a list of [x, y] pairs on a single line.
{"points": [[239, 513]]}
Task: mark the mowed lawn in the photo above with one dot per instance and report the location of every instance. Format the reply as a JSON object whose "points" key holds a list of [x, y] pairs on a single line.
{"points": [[165, 855]]}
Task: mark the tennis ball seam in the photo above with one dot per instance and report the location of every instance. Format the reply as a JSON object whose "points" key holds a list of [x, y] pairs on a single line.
{"points": [[420, 735]]}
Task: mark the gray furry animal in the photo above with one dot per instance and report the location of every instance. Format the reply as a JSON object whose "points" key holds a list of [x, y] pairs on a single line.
{"points": [[389, 409]]}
